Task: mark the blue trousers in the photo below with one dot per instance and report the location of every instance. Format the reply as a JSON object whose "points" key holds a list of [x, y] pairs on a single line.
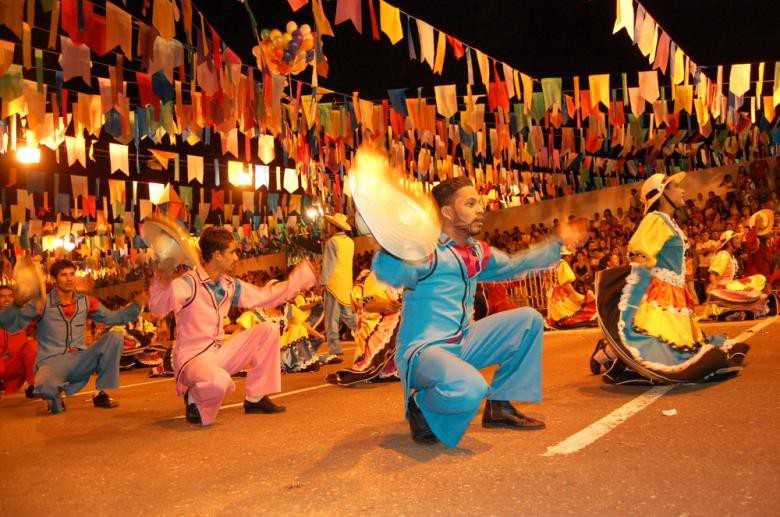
{"points": [[70, 372], [334, 314], [446, 381]]}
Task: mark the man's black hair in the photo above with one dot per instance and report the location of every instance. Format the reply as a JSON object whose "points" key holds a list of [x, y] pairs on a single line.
{"points": [[59, 266], [444, 191], [214, 239]]}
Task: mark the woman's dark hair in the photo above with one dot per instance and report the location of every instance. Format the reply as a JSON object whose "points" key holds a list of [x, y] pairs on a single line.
{"points": [[444, 191], [214, 239]]}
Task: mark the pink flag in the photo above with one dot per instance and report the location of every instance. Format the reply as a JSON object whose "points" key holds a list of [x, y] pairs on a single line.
{"points": [[350, 10]]}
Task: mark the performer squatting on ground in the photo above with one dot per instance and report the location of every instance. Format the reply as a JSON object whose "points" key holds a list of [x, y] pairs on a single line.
{"points": [[200, 300], [439, 351], [17, 354], [64, 362]]}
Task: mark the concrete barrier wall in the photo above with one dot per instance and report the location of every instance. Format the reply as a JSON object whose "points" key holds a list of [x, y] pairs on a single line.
{"points": [[586, 203]]}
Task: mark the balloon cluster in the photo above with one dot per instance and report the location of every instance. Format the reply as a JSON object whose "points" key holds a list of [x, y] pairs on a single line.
{"points": [[286, 52]]}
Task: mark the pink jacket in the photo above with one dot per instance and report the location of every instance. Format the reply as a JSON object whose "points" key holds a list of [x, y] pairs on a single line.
{"points": [[199, 318]]}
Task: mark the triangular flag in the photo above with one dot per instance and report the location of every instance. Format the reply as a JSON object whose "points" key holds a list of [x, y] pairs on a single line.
{"points": [[390, 21], [119, 158], [350, 10], [322, 23], [739, 79], [624, 18]]}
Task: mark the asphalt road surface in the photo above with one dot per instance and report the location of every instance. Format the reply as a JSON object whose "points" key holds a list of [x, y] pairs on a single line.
{"points": [[606, 450]]}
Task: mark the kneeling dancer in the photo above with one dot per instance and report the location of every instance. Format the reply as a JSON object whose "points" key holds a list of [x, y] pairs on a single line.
{"points": [[439, 351], [64, 362], [200, 300]]}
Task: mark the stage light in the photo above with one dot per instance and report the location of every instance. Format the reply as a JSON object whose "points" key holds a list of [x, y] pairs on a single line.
{"points": [[26, 154], [312, 213]]}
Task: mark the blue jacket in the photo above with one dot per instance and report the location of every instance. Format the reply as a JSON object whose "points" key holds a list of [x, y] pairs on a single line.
{"points": [[58, 334], [438, 299]]}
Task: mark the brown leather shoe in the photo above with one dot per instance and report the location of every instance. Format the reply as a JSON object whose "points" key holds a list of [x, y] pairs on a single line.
{"points": [[102, 400], [500, 413], [264, 405]]}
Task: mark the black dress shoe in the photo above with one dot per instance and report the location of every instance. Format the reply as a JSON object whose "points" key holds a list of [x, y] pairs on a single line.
{"points": [[102, 400], [500, 413], [421, 431], [264, 405], [191, 410], [30, 392]]}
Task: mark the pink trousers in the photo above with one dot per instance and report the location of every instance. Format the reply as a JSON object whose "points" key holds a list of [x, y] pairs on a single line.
{"points": [[207, 376]]}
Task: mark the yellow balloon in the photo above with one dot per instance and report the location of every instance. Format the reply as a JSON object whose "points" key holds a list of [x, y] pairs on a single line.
{"points": [[275, 33], [291, 26], [286, 38]]}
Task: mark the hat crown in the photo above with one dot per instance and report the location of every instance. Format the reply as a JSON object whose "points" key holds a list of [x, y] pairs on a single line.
{"points": [[651, 184]]}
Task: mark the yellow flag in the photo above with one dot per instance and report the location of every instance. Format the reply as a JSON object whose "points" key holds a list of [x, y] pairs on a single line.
{"points": [[390, 20]]}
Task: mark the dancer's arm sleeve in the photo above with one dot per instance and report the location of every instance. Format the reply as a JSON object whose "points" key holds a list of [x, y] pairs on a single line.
{"points": [[501, 266], [164, 299], [564, 273], [329, 256], [649, 238], [99, 313], [400, 273], [14, 318], [300, 278], [719, 262]]}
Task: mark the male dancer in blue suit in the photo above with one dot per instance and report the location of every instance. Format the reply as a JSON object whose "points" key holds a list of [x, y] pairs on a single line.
{"points": [[439, 349]]}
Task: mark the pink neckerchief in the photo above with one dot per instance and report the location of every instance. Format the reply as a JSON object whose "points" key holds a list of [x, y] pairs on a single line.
{"points": [[468, 252]]}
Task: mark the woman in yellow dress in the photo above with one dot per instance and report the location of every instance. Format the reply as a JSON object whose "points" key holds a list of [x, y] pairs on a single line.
{"points": [[297, 351], [378, 307], [566, 308], [730, 297], [654, 334]]}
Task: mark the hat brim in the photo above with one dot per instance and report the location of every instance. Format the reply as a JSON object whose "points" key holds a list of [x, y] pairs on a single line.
{"points": [[169, 241], [403, 223], [674, 178], [338, 224], [767, 214], [29, 281]]}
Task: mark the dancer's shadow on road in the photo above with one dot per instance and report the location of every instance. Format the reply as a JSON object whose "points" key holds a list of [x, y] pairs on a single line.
{"points": [[348, 452]]}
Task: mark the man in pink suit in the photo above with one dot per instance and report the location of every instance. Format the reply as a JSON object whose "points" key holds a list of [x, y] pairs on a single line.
{"points": [[200, 299]]}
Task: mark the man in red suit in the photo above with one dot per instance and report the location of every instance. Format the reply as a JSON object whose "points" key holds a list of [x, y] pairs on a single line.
{"points": [[17, 353], [761, 248]]}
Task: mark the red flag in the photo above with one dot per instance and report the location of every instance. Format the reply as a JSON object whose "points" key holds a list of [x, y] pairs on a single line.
{"points": [[457, 47], [374, 25], [297, 4]]}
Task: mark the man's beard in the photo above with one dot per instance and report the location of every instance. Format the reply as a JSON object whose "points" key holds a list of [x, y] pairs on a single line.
{"points": [[471, 228]]}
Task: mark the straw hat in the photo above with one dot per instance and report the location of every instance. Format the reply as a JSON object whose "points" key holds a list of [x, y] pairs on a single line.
{"points": [[29, 281], [404, 222], [654, 186], [169, 242], [339, 221], [725, 237], [763, 221]]}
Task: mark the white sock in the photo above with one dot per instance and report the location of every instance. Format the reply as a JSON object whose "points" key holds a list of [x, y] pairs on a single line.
{"points": [[254, 399]]}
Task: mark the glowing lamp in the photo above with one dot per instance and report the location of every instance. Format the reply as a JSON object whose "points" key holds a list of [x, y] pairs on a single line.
{"points": [[26, 154]]}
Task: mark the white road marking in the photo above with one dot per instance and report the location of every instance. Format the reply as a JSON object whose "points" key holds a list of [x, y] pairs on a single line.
{"points": [[274, 397], [126, 386], [150, 382], [601, 427]]}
